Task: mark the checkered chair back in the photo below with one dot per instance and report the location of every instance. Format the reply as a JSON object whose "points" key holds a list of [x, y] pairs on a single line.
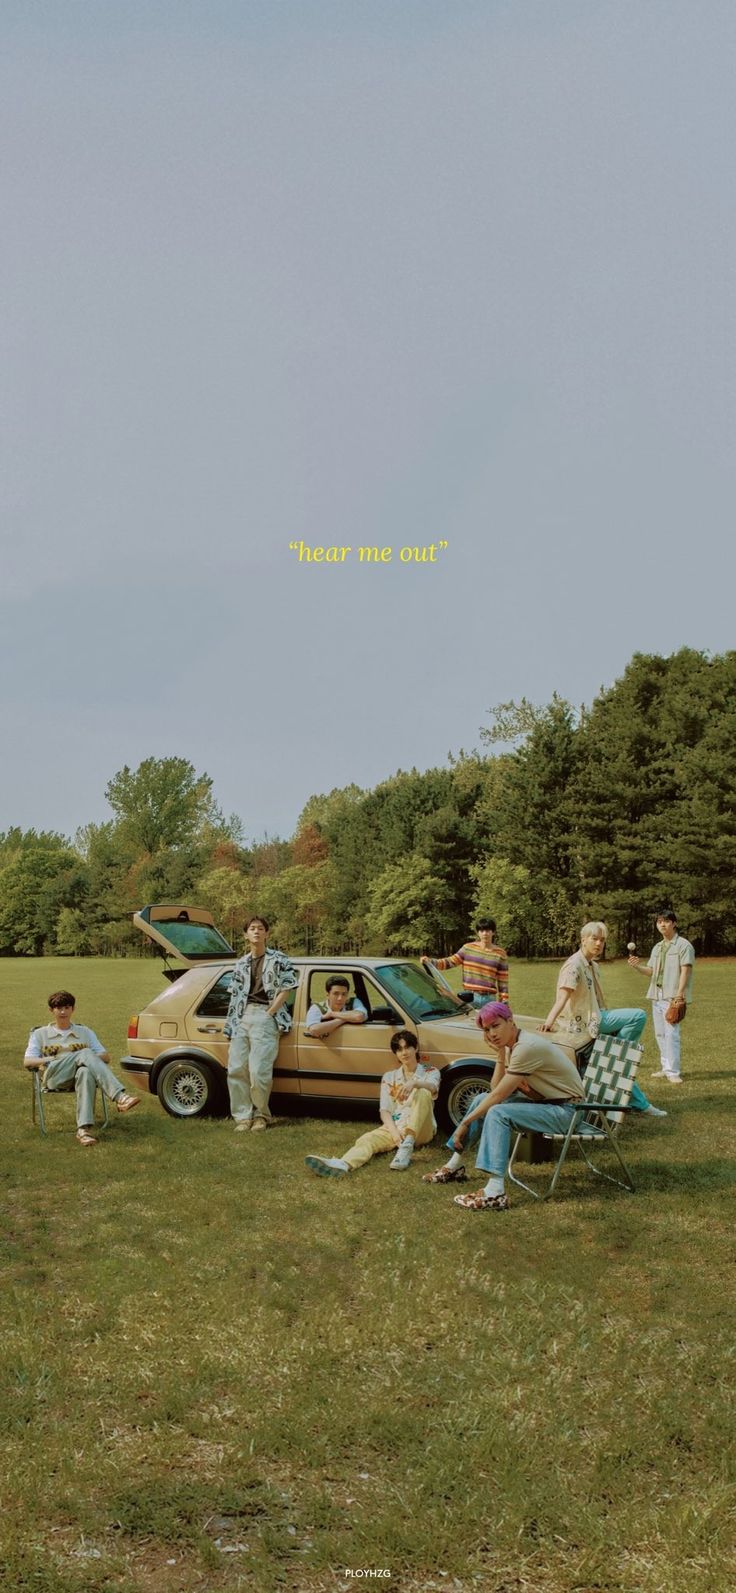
{"points": [[611, 1072]]}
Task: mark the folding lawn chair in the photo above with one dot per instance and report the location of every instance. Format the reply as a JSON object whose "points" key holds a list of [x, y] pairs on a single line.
{"points": [[39, 1093], [607, 1082]]}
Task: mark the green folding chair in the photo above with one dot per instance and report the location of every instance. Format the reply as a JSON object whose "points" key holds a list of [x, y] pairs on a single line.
{"points": [[607, 1082]]}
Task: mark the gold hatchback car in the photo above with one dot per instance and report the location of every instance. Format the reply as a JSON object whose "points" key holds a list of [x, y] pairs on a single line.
{"points": [[178, 1051]]}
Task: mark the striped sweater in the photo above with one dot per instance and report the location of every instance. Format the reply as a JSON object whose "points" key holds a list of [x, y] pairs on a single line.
{"points": [[486, 973]]}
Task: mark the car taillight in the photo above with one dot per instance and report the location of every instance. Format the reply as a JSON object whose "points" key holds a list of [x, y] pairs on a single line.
{"points": [[133, 1027]]}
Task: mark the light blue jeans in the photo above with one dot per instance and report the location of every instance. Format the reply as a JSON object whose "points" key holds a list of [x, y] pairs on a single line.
{"points": [[495, 1129], [86, 1071], [253, 1051], [627, 1023]]}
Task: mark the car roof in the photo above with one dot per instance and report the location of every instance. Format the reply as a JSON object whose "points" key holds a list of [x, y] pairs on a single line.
{"points": [[312, 962]]}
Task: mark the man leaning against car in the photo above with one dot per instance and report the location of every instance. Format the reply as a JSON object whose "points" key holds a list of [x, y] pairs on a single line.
{"points": [[256, 1019]]}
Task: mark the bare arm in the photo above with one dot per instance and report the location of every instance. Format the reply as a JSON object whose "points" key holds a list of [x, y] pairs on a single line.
{"points": [[501, 1093], [389, 1124], [563, 996], [641, 967], [320, 1031]]}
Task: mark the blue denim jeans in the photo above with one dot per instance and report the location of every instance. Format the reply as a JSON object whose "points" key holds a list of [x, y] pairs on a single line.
{"points": [[494, 1131], [627, 1023]]}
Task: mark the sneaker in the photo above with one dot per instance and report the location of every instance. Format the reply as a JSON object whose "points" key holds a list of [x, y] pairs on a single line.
{"points": [[653, 1111], [259, 1122], [402, 1159], [243, 1126], [327, 1166]]}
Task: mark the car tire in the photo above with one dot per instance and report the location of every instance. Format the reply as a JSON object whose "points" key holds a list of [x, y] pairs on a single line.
{"points": [[187, 1087], [457, 1094]]}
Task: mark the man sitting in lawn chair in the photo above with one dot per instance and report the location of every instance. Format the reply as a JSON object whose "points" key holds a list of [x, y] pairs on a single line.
{"points": [[71, 1055], [534, 1086], [408, 1094]]}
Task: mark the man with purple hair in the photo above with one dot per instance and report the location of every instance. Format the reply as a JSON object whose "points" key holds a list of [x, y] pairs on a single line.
{"points": [[534, 1087]]}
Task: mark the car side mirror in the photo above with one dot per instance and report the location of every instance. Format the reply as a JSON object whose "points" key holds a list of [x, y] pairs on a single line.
{"points": [[385, 1015], [466, 996]]}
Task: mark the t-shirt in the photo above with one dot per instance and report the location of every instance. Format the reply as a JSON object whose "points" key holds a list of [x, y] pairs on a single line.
{"points": [[667, 959], [319, 1010], [49, 1041], [257, 996], [544, 1072], [583, 1010]]}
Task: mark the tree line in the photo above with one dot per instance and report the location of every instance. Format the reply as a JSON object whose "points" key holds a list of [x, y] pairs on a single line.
{"points": [[608, 811]]}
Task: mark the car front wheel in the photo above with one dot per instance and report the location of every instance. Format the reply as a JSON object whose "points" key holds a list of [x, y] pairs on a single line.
{"points": [[187, 1087], [461, 1092]]}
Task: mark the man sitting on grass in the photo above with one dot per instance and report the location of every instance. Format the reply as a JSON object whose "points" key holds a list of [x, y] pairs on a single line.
{"points": [[407, 1118], [534, 1087], [72, 1055]]}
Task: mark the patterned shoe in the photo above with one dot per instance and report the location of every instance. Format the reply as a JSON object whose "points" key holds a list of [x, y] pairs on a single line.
{"points": [[446, 1175], [480, 1201], [126, 1103]]}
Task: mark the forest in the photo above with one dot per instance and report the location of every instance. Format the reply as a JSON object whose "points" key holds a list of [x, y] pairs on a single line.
{"points": [[565, 813]]}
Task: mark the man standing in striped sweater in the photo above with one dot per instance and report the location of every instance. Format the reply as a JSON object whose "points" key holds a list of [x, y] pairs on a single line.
{"points": [[484, 964]]}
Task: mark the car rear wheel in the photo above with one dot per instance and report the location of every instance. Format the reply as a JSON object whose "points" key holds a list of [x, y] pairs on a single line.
{"points": [[187, 1087], [460, 1093]]}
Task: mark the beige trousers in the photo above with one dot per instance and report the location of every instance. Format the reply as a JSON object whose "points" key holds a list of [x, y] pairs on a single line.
{"points": [[417, 1120]]}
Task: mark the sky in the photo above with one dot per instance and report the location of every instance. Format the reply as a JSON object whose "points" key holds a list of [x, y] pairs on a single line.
{"points": [[352, 274]]}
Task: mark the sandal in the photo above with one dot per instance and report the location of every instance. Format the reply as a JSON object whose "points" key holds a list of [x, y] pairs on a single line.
{"points": [[480, 1201], [446, 1175], [85, 1138], [125, 1103]]}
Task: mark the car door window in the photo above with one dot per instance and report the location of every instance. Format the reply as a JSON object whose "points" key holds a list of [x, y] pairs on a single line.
{"points": [[217, 999]]}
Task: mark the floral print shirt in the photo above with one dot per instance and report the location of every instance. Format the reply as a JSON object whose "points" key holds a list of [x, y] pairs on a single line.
{"points": [[279, 973]]}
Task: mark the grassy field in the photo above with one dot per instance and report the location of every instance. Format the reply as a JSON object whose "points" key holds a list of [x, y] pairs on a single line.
{"points": [[221, 1373]]}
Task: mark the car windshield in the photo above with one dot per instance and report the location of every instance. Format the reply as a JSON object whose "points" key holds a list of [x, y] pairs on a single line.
{"points": [[416, 992]]}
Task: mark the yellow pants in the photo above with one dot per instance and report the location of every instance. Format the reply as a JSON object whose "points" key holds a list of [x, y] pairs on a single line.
{"points": [[417, 1120]]}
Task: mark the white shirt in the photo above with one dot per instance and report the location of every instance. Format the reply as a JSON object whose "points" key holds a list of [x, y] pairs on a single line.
{"points": [[318, 1011], [48, 1041], [393, 1083]]}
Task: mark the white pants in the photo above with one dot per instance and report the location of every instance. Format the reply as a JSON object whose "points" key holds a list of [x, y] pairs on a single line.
{"points": [[250, 1060], [668, 1039]]}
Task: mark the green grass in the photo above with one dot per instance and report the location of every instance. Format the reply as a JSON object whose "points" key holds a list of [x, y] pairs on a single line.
{"points": [[221, 1373]]}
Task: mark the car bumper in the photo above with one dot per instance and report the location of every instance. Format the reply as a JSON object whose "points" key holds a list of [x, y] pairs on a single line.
{"points": [[138, 1070]]}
